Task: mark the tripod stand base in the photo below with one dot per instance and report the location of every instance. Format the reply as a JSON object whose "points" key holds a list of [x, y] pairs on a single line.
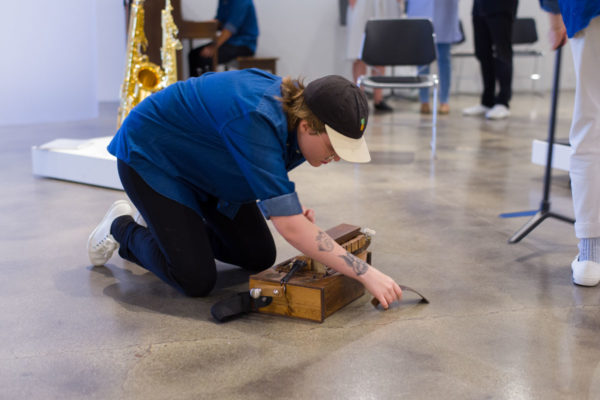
{"points": [[537, 219]]}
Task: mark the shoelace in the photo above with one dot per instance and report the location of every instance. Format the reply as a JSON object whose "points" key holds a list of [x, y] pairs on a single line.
{"points": [[104, 243]]}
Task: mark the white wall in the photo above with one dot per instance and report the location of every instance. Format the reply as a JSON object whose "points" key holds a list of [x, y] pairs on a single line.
{"points": [[70, 54], [305, 35], [48, 68], [111, 49]]}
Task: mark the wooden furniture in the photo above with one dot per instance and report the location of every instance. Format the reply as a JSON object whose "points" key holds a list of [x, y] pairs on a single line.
{"points": [[266, 63], [191, 30], [316, 291]]}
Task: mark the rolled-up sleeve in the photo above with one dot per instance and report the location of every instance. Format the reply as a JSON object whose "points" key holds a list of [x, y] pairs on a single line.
{"points": [[237, 15], [280, 206]]}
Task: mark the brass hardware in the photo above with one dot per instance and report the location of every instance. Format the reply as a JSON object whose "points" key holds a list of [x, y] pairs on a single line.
{"points": [[269, 291], [142, 77]]}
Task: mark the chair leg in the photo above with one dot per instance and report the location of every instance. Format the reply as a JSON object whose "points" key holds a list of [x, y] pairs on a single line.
{"points": [[535, 73], [434, 121]]}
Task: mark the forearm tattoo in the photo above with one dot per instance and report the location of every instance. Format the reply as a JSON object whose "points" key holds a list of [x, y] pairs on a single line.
{"points": [[324, 241], [358, 266]]}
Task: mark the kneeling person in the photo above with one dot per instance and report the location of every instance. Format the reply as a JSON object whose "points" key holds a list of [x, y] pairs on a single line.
{"points": [[194, 159]]}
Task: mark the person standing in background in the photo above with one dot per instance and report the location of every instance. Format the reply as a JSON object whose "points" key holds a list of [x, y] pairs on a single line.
{"points": [[359, 12], [444, 14], [492, 32], [582, 26], [238, 36]]}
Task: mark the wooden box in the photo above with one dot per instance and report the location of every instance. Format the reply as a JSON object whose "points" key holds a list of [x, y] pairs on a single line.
{"points": [[314, 292]]}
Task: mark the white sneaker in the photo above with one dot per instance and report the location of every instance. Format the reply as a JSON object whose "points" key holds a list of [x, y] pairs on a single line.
{"points": [[499, 111], [475, 110], [101, 244], [585, 273]]}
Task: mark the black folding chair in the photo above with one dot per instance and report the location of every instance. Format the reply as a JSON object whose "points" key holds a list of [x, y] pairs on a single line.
{"points": [[524, 35], [524, 31], [401, 42]]}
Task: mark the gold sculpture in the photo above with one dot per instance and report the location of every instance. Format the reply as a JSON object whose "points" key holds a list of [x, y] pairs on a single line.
{"points": [[142, 77]]}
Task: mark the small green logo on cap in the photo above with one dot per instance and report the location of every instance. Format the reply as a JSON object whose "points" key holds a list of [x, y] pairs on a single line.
{"points": [[362, 124]]}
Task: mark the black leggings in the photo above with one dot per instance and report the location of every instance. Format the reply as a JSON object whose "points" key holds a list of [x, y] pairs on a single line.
{"points": [[199, 65], [180, 246]]}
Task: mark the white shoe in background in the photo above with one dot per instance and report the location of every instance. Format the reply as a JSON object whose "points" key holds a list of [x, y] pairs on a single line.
{"points": [[499, 111], [475, 110]]}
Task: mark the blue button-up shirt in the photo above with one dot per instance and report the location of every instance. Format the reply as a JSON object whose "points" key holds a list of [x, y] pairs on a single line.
{"points": [[576, 14], [239, 17], [222, 134]]}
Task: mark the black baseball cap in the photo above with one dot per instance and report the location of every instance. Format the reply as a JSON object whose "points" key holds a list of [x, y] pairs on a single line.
{"points": [[344, 110]]}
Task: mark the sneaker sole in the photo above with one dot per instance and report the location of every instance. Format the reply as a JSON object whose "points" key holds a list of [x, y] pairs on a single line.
{"points": [[107, 215], [477, 114], [585, 281]]}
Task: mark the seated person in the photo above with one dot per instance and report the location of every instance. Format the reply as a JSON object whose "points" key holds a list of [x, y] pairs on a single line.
{"points": [[239, 31]]}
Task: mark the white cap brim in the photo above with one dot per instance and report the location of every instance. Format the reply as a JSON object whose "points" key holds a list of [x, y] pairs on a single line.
{"points": [[352, 150]]}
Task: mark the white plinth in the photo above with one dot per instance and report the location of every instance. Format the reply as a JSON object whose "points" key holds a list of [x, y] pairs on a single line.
{"points": [[560, 154], [83, 161]]}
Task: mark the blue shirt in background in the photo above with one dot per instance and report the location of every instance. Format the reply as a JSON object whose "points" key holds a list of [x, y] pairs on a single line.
{"points": [[222, 134], [239, 17], [444, 15], [576, 14]]}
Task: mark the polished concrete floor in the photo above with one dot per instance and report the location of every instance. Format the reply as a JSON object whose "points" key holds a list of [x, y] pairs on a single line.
{"points": [[505, 321]]}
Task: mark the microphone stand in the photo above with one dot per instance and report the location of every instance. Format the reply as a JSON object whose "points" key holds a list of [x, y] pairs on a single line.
{"points": [[544, 210]]}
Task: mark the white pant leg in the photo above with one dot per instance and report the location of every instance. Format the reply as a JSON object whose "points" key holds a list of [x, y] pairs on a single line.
{"points": [[585, 132]]}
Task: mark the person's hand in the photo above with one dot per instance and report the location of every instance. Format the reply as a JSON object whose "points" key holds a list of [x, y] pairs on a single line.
{"points": [[208, 51], [309, 213], [557, 35], [351, 3], [381, 286]]}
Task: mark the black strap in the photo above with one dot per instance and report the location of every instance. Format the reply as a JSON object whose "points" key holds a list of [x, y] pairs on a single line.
{"points": [[423, 300], [239, 304]]}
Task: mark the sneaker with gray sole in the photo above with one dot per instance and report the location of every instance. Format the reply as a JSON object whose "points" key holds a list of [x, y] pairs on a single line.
{"points": [[101, 244], [585, 273]]}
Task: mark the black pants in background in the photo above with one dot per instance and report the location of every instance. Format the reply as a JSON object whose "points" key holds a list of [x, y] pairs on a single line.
{"points": [[493, 48], [199, 65], [180, 246]]}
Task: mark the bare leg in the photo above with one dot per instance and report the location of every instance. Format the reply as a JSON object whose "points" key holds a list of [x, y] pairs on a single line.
{"points": [[378, 93], [358, 68]]}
